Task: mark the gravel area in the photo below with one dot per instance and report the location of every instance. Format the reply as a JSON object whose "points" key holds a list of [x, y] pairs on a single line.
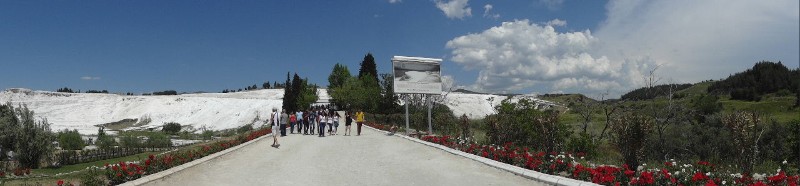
{"points": [[370, 159]]}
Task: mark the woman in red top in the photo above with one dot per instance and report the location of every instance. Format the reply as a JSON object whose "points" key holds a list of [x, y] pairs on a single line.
{"points": [[293, 120]]}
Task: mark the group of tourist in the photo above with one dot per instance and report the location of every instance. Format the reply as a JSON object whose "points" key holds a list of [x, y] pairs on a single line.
{"points": [[305, 123]]}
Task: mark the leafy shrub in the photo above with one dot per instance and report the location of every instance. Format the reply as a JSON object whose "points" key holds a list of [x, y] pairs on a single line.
{"points": [[522, 123], [245, 128], [632, 131], [171, 128], [129, 140], [9, 127], [207, 134], [92, 177], [166, 92], [584, 143], [34, 140], [158, 140], [105, 141], [745, 128], [70, 140]]}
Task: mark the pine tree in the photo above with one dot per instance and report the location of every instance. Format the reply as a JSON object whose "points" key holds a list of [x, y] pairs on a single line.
{"points": [[338, 76], [368, 68], [288, 94]]}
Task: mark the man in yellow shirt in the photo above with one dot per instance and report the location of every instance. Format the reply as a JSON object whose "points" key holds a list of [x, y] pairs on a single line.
{"points": [[359, 122]]}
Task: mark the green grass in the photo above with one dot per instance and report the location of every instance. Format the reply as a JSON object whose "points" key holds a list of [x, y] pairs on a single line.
{"points": [[82, 166], [696, 89], [777, 108], [74, 177]]}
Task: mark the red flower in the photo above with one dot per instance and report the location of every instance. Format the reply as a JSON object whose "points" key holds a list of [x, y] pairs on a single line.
{"points": [[646, 178], [147, 162], [151, 157], [759, 183], [629, 173], [115, 168], [777, 178], [60, 182], [710, 183], [668, 164], [119, 174], [699, 176]]}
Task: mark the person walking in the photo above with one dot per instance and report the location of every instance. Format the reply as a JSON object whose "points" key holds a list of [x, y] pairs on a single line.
{"points": [[275, 119], [314, 118], [306, 120], [322, 119], [284, 120], [335, 122], [299, 121], [348, 120], [330, 123], [293, 120], [359, 122]]}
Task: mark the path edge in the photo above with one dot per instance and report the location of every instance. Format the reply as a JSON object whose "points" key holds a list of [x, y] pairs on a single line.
{"points": [[170, 171], [530, 174]]}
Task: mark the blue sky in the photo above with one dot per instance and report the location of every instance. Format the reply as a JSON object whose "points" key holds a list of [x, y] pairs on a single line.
{"points": [[515, 46]]}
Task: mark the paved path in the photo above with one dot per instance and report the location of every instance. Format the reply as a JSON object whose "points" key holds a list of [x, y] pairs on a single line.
{"points": [[370, 159]]}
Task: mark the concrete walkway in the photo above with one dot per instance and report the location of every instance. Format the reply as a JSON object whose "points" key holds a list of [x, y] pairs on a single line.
{"points": [[370, 159]]}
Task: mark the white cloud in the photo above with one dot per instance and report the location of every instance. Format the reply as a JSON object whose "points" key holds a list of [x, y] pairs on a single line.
{"points": [[488, 8], [557, 22], [691, 41], [520, 55], [395, 1], [90, 78], [454, 8], [701, 40], [552, 4]]}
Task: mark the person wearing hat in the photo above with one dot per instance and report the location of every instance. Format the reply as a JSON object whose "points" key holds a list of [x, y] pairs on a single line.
{"points": [[275, 120]]}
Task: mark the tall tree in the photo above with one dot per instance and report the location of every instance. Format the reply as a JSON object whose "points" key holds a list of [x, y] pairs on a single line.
{"points": [[297, 89], [389, 102], [287, 94], [368, 67], [338, 76]]}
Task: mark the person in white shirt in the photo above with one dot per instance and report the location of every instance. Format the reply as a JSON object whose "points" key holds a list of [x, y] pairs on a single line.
{"points": [[335, 122], [323, 119], [275, 120]]}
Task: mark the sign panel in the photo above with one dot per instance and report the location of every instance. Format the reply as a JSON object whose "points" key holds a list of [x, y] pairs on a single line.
{"points": [[417, 75]]}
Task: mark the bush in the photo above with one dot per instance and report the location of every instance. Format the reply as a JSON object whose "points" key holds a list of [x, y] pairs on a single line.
{"points": [[166, 92], [129, 140], [171, 128], [158, 140], [245, 128], [632, 131], [9, 127], [70, 140], [34, 140], [583, 142], [207, 134], [522, 123], [105, 141], [92, 177], [745, 128]]}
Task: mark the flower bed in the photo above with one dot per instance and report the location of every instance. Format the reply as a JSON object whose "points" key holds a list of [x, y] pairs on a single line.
{"points": [[127, 171], [576, 167]]}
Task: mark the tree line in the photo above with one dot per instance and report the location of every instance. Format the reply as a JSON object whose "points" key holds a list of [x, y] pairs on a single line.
{"points": [[764, 78], [368, 91], [298, 93]]}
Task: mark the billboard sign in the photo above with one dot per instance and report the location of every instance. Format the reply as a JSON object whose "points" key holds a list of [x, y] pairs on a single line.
{"points": [[417, 75]]}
